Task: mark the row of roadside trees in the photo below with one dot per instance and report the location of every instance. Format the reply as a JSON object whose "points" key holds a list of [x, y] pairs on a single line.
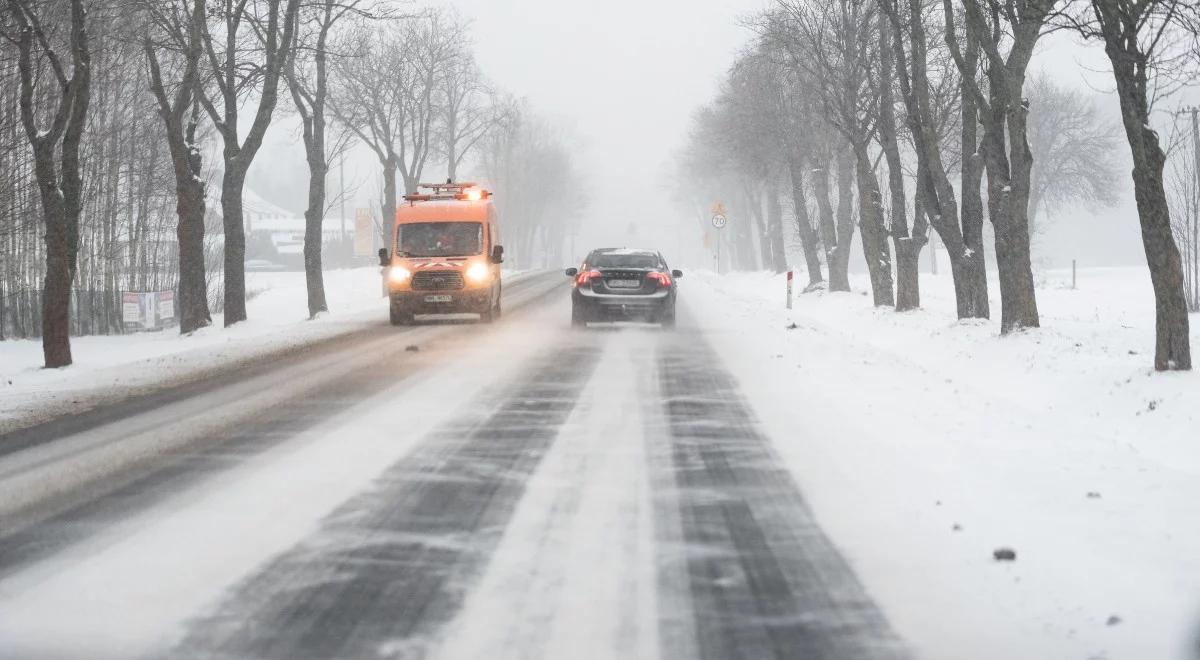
{"points": [[111, 113], [899, 119]]}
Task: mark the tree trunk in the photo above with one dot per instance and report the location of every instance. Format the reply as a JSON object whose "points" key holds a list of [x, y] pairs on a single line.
{"points": [[193, 290], [968, 264], [235, 243], [775, 228], [1172, 345], [388, 221], [908, 245], [754, 202], [60, 195], [808, 237], [874, 236], [1018, 301], [313, 235], [56, 286], [839, 250]]}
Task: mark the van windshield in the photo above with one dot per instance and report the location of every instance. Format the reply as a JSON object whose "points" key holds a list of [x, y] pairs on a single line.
{"points": [[439, 239]]}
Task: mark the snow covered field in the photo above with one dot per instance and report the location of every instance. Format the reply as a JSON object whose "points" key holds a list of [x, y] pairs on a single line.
{"points": [[923, 444], [278, 321]]}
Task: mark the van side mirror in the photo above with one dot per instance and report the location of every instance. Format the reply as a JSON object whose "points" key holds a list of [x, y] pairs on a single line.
{"points": [[677, 274], [384, 259], [571, 272], [497, 254]]}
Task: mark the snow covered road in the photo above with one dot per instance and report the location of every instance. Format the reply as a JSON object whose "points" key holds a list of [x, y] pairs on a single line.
{"points": [[453, 491]]}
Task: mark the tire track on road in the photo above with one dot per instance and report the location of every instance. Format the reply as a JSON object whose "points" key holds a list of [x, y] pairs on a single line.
{"points": [[391, 565], [763, 580], [186, 446]]}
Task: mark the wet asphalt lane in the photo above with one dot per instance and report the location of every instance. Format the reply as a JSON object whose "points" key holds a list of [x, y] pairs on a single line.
{"points": [[742, 569]]}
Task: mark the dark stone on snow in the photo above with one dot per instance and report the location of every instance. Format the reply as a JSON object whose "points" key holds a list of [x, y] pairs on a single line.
{"points": [[1004, 554], [412, 348]]}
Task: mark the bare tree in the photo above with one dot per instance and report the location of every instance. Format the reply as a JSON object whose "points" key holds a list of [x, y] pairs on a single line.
{"points": [[307, 73], [177, 30], [1072, 146], [927, 115], [908, 244], [1184, 189], [1145, 41], [530, 162], [467, 109], [249, 56], [1006, 33], [836, 44], [55, 147], [388, 93]]}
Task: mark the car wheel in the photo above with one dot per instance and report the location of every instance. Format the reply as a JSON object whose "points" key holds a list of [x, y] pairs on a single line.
{"points": [[488, 315], [496, 310], [578, 316], [666, 318]]}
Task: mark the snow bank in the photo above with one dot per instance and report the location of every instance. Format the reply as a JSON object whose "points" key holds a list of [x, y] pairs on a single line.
{"points": [[277, 310], [923, 444]]}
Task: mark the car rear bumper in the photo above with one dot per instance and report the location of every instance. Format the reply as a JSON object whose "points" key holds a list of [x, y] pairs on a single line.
{"points": [[622, 306]]}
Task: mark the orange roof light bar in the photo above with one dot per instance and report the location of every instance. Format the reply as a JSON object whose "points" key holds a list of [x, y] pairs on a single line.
{"points": [[467, 192]]}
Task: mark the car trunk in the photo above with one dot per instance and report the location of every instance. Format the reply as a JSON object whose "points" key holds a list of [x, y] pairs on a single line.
{"points": [[624, 281]]}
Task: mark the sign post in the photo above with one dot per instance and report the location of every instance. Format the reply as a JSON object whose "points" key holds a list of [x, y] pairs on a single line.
{"points": [[719, 220], [789, 290]]}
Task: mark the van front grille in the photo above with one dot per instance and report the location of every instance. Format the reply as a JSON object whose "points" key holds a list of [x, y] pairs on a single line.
{"points": [[437, 280]]}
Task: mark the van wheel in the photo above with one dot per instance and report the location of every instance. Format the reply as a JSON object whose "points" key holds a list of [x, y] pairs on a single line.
{"points": [[398, 317], [488, 315]]}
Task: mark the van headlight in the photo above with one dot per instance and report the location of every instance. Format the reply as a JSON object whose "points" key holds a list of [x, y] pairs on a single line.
{"points": [[478, 273], [399, 274]]}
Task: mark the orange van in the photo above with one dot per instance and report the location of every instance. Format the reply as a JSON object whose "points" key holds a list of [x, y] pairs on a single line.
{"points": [[445, 254]]}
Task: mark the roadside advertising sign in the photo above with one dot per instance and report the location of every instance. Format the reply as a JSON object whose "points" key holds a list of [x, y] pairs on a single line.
{"points": [[147, 310]]}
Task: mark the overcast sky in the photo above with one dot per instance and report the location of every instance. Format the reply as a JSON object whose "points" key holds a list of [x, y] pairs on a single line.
{"points": [[624, 76]]}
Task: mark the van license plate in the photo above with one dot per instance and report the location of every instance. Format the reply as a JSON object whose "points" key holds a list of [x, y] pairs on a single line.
{"points": [[438, 298], [624, 284]]}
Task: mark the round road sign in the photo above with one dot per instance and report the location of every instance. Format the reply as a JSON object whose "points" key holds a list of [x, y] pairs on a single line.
{"points": [[719, 220]]}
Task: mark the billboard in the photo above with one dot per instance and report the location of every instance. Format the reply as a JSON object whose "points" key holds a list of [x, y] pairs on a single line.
{"points": [[147, 310]]}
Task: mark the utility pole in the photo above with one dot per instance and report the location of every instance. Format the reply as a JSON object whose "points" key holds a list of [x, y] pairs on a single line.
{"points": [[342, 194], [1196, 209]]}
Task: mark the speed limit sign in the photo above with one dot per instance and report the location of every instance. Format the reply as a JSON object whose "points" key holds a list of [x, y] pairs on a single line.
{"points": [[719, 220]]}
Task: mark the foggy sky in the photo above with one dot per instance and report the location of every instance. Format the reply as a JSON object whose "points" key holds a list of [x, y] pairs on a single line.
{"points": [[623, 77]]}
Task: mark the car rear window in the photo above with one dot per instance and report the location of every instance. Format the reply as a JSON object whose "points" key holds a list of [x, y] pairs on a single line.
{"points": [[611, 260]]}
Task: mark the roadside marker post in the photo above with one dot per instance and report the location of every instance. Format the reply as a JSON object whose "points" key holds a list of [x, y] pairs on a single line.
{"points": [[789, 289]]}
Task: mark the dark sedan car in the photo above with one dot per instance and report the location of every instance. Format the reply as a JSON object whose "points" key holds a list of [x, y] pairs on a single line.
{"points": [[616, 284]]}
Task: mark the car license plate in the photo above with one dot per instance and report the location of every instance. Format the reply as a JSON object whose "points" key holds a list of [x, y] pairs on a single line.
{"points": [[625, 284], [438, 298]]}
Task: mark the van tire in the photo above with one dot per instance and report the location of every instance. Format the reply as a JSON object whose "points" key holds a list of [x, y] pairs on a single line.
{"points": [[397, 316]]}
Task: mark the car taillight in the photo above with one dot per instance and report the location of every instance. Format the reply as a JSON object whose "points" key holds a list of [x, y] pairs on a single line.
{"points": [[664, 280], [585, 278]]}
